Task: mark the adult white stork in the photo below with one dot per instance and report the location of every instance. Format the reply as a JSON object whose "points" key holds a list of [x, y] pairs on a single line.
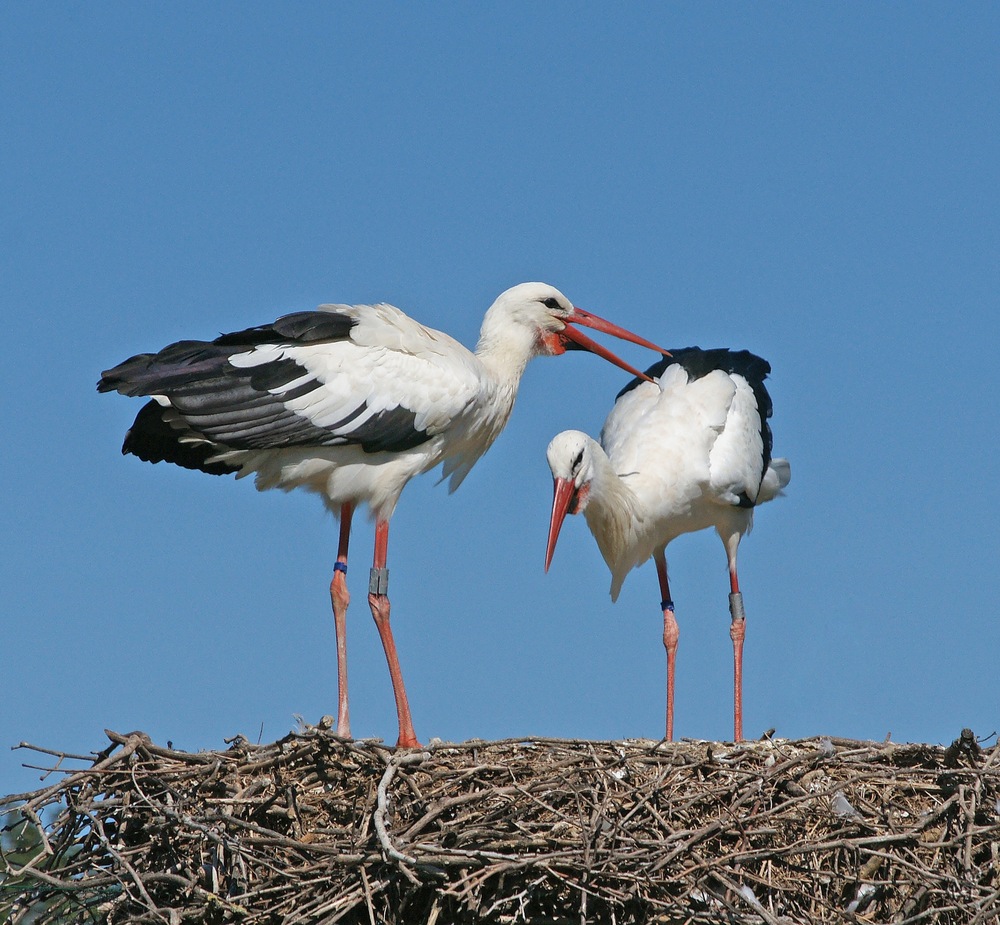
{"points": [[690, 451], [351, 402]]}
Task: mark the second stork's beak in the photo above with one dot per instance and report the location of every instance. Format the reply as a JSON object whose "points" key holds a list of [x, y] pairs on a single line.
{"points": [[562, 496], [570, 338]]}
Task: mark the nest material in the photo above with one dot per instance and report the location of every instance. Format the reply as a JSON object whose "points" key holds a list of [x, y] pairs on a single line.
{"points": [[314, 829]]}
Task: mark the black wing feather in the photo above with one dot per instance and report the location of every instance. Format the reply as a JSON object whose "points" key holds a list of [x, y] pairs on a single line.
{"points": [[153, 440], [215, 406]]}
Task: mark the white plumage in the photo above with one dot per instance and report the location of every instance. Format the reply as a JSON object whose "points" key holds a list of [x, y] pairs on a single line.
{"points": [[688, 452], [351, 402], [389, 362]]}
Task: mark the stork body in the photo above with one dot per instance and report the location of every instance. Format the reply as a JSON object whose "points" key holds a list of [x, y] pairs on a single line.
{"points": [[688, 452], [350, 402]]}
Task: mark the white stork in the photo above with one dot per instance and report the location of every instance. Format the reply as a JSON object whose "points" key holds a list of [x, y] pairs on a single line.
{"points": [[351, 402], [690, 451]]}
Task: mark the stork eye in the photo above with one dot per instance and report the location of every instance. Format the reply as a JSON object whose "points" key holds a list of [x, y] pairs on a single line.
{"points": [[578, 461], [551, 302]]}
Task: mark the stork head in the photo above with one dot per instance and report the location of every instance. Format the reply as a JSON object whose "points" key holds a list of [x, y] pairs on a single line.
{"points": [[571, 460], [545, 321]]}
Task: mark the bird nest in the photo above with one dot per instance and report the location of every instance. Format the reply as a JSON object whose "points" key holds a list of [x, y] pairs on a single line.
{"points": [[315, 829]]}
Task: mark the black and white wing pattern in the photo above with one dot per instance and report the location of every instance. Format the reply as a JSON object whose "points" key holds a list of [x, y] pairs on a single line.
{"points": [[360, 375]]}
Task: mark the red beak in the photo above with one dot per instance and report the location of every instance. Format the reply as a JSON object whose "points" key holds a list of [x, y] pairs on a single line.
{"points": [[590, 320], [572, 339], [562, 496]]}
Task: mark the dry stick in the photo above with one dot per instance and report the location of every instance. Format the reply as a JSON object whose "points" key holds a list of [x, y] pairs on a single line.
{"points": [[55, 753], [989, 906], [368, 897], [443, 805], [394, 764]]}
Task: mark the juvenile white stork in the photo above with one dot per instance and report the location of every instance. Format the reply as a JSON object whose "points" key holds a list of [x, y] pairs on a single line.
{"points": [[690, 451], [351, 402]]}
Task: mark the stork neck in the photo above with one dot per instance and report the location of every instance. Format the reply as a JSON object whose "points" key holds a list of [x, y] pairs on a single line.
{"points": [[610, 509], [505, 356]]}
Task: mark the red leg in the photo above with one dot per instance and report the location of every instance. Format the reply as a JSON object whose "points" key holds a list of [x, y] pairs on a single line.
{"points": [[378, 600], [737, 632], [671, 634], [340, 599]]}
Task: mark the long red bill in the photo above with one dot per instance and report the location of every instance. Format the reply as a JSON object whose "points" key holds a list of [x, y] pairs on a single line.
{"points": [[562, 495], [590, 320], [572, 339]]}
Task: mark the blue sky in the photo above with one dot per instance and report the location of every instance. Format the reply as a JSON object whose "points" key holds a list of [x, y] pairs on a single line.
{"points": [[817, 183]]}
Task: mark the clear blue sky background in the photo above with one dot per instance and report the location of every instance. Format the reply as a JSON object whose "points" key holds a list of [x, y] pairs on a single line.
{"points": [[815, 182]]}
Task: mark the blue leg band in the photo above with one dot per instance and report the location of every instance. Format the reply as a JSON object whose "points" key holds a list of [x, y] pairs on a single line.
{"points": [[340, 567]]}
